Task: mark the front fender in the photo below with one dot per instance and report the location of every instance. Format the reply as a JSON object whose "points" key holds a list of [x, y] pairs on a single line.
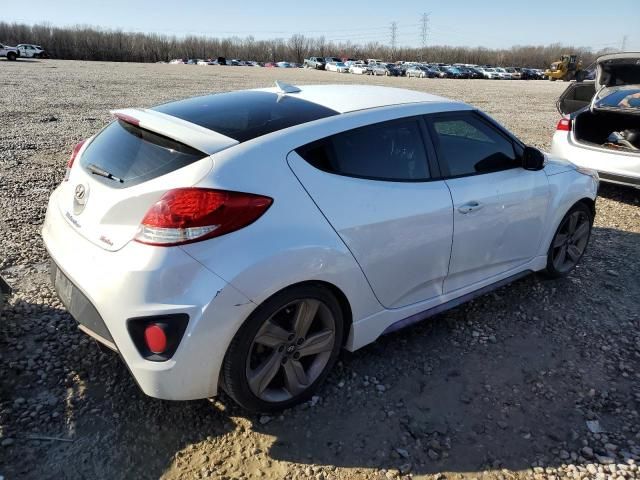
{"points": [[565, 190]]}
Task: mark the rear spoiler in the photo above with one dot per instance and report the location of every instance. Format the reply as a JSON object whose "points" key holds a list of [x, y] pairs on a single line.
{"points": [[190, 134]]}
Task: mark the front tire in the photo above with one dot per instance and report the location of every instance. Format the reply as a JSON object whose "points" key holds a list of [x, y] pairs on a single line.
{"points": [[285, 350], [570, 241], [11, 56]]}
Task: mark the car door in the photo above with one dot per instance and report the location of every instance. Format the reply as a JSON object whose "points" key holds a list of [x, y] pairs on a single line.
{"points": [[380, 189], [498, 207]]}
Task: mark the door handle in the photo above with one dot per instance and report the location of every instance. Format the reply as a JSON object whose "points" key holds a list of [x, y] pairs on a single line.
{"points": [[469, 207]]}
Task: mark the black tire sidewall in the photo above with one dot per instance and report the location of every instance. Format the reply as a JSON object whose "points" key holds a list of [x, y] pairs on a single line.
{"points": [[234, 380], [551, 270]]}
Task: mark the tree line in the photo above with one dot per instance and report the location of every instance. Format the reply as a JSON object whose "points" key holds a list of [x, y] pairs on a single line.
{"points": [[92, 43]]}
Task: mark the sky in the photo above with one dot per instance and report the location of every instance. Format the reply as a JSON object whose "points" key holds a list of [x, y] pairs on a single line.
{"points": [[489, 23]]}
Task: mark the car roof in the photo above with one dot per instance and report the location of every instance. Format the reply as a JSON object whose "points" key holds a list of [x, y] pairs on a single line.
{"points": [[349, 98]]}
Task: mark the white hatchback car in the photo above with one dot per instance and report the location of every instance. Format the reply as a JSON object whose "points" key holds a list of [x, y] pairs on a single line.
{"points": [[243, 239], [601, 124]]}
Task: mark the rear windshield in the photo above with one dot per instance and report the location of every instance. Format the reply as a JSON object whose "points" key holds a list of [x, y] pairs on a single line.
{"points": [[625, 98], [247, 114], [133, 155]]}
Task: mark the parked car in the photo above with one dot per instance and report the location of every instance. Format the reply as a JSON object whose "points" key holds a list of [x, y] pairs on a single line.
{"points": [[204, 277], [385, 69], [502, 73], [283, 65], [206, 62], [336, 67], [600, 128], [360, 69], [470, 72], [454, 72], [515, 74], [530, 74], [271, 65], [11, 53], [28, 50], [5, 291], [420, 72], [332, 59], [316, 63]]}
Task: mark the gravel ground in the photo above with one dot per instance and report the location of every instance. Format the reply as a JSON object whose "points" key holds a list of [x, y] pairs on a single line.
{"points": [[539, 379]]}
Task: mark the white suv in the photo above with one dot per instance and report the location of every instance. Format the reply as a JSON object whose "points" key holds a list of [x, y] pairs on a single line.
{"points": [[243, 239], [28, 50]]}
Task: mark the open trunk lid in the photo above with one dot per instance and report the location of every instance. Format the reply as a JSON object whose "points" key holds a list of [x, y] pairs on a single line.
{"points": [[123, 170], [618, 83], [616, 86]]}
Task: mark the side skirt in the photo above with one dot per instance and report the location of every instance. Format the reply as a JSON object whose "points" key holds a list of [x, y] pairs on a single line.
{"points": [[418, 317]]}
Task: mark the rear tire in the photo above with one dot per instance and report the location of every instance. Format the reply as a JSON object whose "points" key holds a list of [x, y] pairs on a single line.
{"points": [[273, 363], [570, 241]]}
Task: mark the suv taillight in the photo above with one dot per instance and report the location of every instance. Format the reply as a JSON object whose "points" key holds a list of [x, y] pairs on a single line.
{"points": [[72, 159], [564, 125], [187, 215]]}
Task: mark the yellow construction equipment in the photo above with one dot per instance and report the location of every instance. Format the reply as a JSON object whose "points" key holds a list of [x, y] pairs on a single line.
{"points": [[567, 68]]}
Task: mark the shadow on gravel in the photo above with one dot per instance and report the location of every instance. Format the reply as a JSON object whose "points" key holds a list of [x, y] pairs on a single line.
{"points": [[618, 193], [506, 381]]}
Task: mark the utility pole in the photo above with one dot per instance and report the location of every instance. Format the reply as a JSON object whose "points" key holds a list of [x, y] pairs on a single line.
{"points": [[424, 31], [394, 38], [623, 47]]}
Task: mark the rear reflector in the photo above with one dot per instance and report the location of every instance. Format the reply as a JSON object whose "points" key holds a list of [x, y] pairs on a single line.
{"points": [[186, 215], [155, 338], [74, 154], [564, 125]]}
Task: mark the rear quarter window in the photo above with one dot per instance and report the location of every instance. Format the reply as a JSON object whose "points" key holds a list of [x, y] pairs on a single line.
{"points": [[391, 151]]}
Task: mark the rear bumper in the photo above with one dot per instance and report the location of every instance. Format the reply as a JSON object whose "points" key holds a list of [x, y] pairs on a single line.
{"points": [[140, 281], [612, 166]]}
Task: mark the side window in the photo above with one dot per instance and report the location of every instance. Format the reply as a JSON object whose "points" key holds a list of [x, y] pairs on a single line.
{"points": [[470, 146], [383, 151]]}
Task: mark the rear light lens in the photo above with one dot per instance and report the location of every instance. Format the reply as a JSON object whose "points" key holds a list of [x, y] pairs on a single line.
{"points": [[74, 154], [186, 215], [157, 338], [564, 125]]}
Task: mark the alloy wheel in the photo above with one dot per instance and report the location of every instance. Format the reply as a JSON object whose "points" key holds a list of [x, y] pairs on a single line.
{"points": [[291, 350], [571, 241]]}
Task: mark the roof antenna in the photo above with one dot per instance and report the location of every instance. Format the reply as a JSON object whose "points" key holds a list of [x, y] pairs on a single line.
{"points": [[286, 88]]}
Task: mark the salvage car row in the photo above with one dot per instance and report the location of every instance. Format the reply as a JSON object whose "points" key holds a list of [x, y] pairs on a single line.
{"points": [[389, 69]]}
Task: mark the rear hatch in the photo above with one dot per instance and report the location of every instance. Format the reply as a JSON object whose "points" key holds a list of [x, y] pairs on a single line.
{"points": [[124, 169], [616, 87]]}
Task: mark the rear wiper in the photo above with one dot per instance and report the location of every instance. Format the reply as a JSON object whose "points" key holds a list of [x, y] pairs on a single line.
{"points": [[96, 170]]}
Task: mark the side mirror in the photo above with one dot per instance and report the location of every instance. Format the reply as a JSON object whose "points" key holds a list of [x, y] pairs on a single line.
{"points": [[532, 159]]}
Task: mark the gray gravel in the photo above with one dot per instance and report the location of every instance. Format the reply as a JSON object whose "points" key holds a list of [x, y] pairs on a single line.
{"points": [[540, 379]]}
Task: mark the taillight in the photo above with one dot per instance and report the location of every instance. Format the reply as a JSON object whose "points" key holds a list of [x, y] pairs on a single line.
{"points": [[74, 154], [186, 215], [564, 125]]}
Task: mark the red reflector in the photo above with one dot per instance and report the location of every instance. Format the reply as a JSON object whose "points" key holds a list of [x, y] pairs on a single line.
{"points": [[127, 118], [72, 159], [564, 125], [187, 215], [155, 338]]}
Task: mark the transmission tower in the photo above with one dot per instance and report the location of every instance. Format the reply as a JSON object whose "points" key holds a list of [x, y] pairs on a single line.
{"points": [[623, 47], [394, 38], [424, 32]]}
